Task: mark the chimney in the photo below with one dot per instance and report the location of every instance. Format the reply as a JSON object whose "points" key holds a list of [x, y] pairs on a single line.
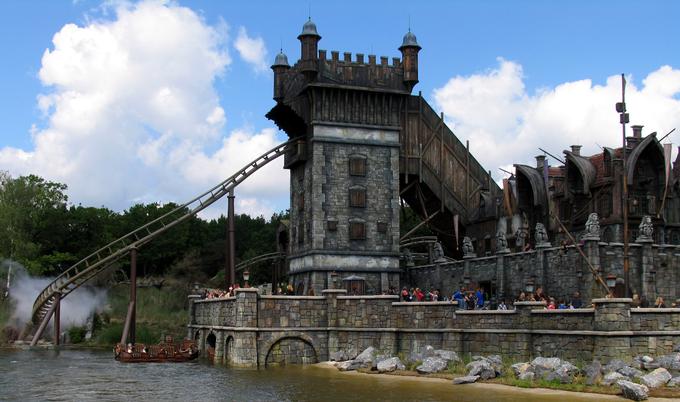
{"points": [[576, 150], [540, 161], [637, 131]]}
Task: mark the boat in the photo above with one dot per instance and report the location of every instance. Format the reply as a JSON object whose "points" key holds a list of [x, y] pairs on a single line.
{"points": [[165, 351]]}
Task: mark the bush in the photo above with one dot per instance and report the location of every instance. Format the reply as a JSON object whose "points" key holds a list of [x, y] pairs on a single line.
{"points": [[77, 334]]}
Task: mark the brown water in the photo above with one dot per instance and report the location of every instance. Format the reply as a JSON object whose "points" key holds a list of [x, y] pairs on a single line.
{"points": [[83, 375]]}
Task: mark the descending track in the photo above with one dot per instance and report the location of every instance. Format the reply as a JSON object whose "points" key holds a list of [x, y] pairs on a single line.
{"points": [[97, 262]]}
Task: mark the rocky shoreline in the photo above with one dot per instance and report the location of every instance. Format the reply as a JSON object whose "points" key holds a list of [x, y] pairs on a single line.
{"points": [[633, 379]]}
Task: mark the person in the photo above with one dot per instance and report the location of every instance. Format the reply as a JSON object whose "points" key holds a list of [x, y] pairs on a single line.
{"points": [[420, 296], [659, 303], [459, 296], [551, 304], [636, 301], [576, 300], [479, 295], [502, 306], [405, 295], [522, 297], [129, 348], [562, 305]]}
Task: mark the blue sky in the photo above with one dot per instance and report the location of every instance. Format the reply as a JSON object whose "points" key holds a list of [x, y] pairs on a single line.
{"points": [[509, 76]]}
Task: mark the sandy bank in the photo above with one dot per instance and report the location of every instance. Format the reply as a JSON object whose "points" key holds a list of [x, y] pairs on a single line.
{"points": [[508, 389]]}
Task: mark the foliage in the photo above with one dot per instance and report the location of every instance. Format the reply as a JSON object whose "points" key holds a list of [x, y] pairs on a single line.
{"points": [[77, 334], [39, 230]]}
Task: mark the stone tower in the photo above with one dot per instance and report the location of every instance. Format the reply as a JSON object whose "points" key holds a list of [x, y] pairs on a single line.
{"points": [[344, 171]]}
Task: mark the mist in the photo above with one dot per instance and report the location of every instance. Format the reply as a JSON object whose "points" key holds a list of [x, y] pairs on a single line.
{"points": [[76, 308]]}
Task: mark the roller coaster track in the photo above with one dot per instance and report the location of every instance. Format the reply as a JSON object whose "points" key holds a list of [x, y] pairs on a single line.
{"points": [[97, 262]]}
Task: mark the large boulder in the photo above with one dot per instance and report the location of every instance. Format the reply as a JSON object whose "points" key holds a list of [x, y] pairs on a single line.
{"points": [[521, 368], [669, 362], [466, 380], [349, 365], [612, 378], [544, 365], [528, 376], [674, 382], [432, 365], [614, 365], [447, 355], [367, 357], [391, 364], [630, 372], [564, 373], [633, 391], [656, 378], [482, 368], [593, 373]]}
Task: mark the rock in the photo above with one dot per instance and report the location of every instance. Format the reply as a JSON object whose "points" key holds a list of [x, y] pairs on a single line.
{"points": [[521, 368], [466, 380], [391, 364], [611, 378], [482, 368], [669, 362], [633, 391], [529, 376], [339, 356], [367, 357], [676, 348], [378, 359], [564, 373], [614, 365], [447, 355], [656, 378], [349, 365], [593, 373], [544, 365], [630, 372], [496, 363], [432, 365], [428, 351], [674, 382]]}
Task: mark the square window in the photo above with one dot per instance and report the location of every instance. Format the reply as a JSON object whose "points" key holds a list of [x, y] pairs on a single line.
{"points": [[357, 197], [332, 226], [357, 166], [357, 231], [301, 233], [382, 227]]}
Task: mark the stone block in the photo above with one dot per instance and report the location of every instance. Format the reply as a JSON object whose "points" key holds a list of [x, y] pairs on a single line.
{"points": [[633, 391], [656, 378]]}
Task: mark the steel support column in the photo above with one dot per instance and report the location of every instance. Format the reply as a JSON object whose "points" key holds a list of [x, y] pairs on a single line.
{"points": [[230, 273], [133, 295], [57, 319]]}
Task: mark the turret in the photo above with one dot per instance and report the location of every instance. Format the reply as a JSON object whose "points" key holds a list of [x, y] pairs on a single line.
{"points": [[280, 67], [309, 39], [409, 53]]}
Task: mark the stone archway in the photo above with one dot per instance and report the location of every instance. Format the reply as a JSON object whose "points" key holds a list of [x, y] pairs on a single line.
{"points": [[210, 344], [291, 349], [229, 349]]}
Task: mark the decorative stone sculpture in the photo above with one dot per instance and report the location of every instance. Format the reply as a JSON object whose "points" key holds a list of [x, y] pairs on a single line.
{"points": [[646, 229], [438, 253], [468, 249], [408, 256], [592, 227], [520, 238], [541, 236], [501, 243]]}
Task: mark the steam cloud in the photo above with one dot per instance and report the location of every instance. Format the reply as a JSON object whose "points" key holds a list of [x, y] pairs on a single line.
{"points": [[76, 309]]}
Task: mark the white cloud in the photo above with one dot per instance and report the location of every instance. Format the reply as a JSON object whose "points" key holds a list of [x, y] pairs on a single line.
{"points": [[506, 125], [252, 50], [132, 114]]}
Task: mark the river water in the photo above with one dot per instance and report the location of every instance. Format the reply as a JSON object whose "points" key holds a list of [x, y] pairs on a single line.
{"points": [[86, 375]]}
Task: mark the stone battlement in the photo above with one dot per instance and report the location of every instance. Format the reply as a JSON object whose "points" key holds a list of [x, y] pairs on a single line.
{"points": [[252, 330]]}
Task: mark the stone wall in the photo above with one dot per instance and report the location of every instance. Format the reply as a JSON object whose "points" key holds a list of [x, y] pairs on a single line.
{"points": [[561, 271], [253, 330]]}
